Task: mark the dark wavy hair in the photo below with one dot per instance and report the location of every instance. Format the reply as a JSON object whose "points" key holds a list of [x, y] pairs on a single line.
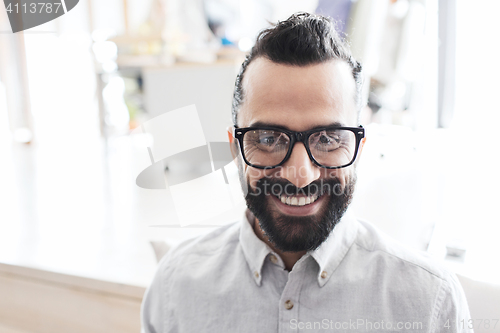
{"points": [[303, 39]]}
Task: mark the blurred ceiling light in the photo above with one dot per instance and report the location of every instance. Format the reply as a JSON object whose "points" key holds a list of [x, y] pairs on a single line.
{"points": [[109, 66], [23, 135], [105, 51], [117, 115], [102, 35]]}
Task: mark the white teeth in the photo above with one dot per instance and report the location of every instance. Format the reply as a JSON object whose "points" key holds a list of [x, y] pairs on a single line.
{"points": [[298, 201]]}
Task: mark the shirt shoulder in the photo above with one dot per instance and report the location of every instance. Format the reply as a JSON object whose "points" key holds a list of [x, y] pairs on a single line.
{"points": [[411, 272], [373, 240], [182, 275]]}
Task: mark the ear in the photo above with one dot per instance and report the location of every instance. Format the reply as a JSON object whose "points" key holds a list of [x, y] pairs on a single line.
{"points": [[233, 143], [361, 145]]}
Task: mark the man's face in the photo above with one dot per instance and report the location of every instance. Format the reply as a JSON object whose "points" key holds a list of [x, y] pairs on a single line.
{"points": [[298, 99]]}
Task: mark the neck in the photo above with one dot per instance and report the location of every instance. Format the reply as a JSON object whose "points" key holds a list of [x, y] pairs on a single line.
{"points": [[289, 258]]}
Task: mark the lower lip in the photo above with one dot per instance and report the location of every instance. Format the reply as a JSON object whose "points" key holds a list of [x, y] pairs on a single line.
{"points": [[309, 209]]}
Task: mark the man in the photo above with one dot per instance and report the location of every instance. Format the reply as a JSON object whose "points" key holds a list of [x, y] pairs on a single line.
{"points": [[297, 262]]}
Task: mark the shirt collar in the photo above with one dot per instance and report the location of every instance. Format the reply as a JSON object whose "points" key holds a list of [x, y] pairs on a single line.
{"points": [[328, 256], [254, 249], [331, 253]]}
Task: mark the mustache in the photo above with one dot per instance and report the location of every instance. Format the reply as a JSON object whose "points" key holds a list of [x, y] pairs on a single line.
{"points": [[280, 186]]}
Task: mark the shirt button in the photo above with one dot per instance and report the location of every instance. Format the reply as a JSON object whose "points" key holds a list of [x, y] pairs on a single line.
{"points": [[324, 274], [288, 305], [256, 274], [273, 259]]}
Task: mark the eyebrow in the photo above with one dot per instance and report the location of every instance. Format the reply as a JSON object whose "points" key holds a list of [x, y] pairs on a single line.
{"points": [[264, 124]]}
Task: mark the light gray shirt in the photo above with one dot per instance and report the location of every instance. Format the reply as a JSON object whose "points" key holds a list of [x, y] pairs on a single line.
{"points": [[359, 280]]}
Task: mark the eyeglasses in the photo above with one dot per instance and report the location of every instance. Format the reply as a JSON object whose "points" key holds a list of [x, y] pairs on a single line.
{"points": [[328, 147]]}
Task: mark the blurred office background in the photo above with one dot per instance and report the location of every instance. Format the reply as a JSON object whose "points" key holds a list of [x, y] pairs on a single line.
{"points": [[76, 230]]}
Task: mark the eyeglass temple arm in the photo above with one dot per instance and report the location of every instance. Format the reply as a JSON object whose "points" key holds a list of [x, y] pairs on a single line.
{"points": [[235, 128]]}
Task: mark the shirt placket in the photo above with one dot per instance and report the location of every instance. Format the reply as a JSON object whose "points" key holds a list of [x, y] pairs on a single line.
{"points": [[290, 299]]}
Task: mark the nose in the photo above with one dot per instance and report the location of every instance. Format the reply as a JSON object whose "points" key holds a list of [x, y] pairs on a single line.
{"points": [[299, 169]]}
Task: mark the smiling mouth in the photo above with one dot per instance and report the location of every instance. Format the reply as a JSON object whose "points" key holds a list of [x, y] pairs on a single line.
{"points": [[297, 200]]}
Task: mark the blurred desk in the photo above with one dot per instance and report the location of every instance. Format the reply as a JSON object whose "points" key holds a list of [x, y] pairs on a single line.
{"points": [[74, 235], [41, 301]]}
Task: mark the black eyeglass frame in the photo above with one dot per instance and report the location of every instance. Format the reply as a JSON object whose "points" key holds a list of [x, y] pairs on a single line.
{"points": [[303, 137]]}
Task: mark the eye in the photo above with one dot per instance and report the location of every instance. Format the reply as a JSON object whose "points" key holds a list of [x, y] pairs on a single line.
{"points": [[328, 139], [267, 140]]}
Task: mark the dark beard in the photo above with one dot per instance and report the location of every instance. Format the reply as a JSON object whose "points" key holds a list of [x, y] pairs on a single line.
{"points": [[299, 233]]}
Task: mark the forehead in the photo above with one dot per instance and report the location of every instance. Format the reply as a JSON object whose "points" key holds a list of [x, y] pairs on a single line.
{"points": [[298, 97]]}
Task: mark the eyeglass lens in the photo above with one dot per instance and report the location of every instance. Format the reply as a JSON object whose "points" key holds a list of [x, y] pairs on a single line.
{"points": [[332, 148]]}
